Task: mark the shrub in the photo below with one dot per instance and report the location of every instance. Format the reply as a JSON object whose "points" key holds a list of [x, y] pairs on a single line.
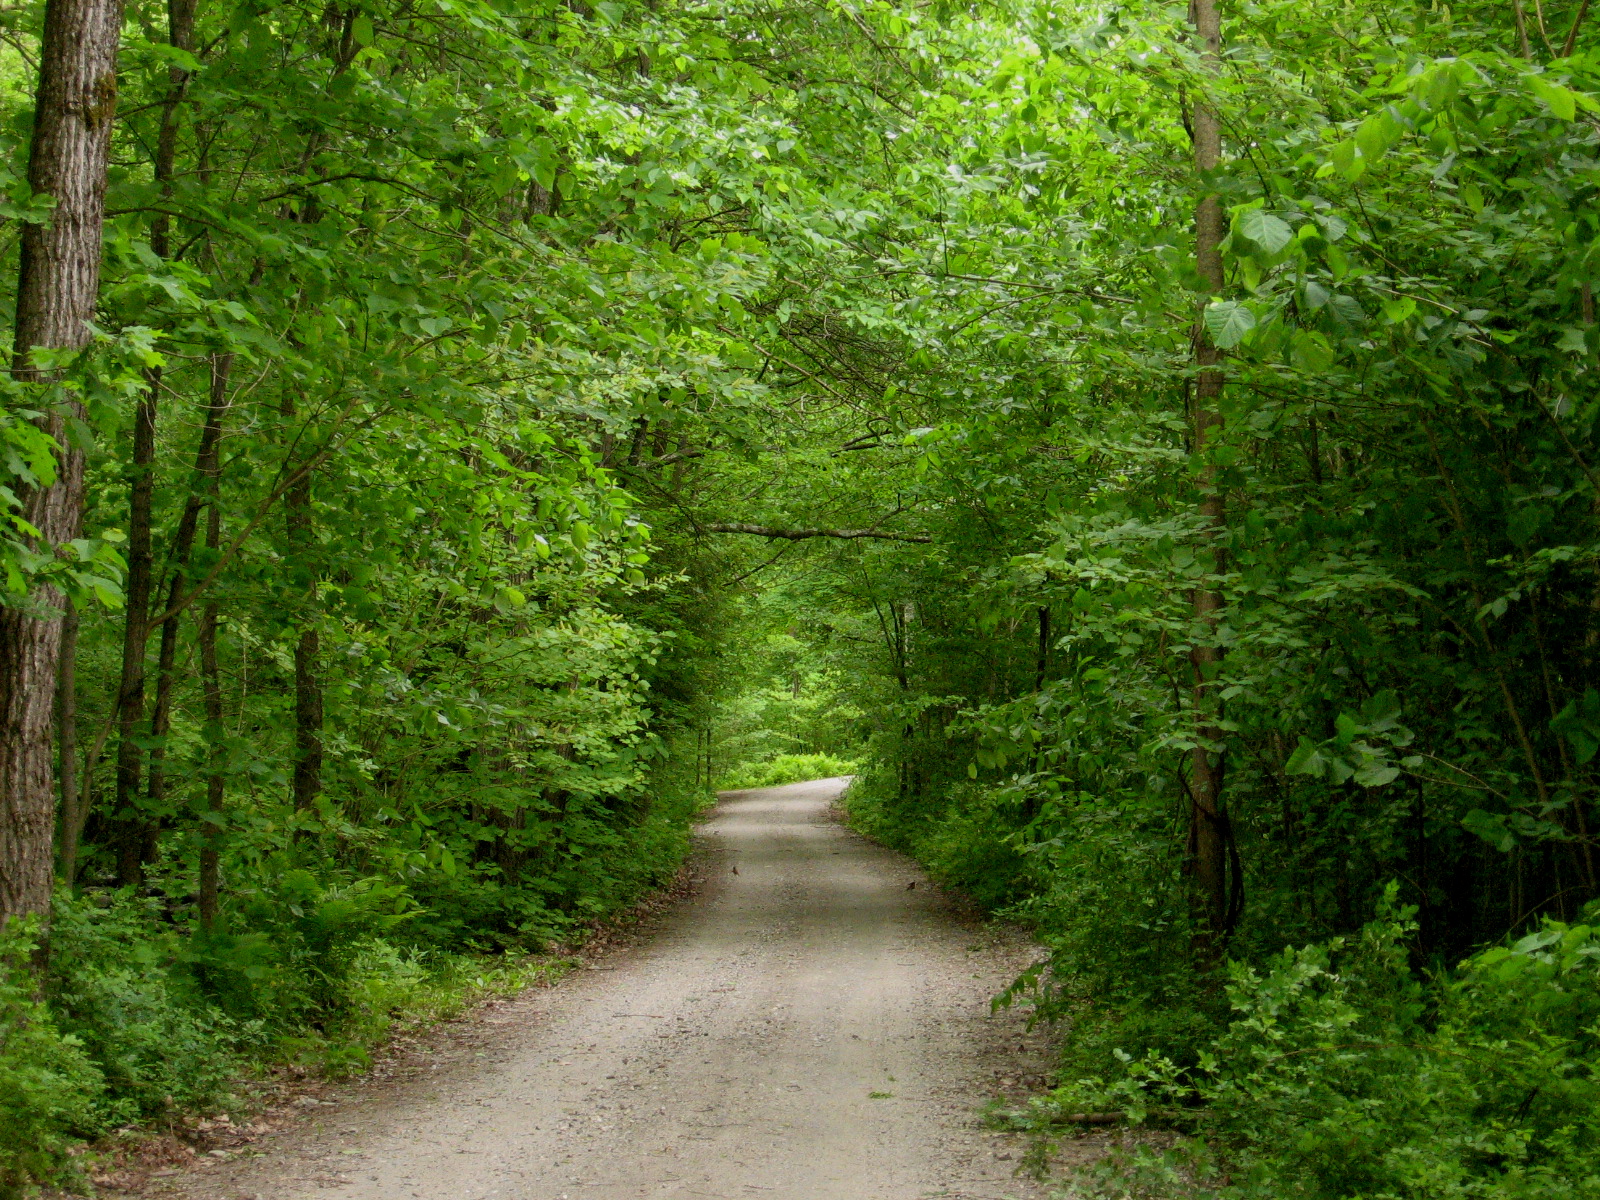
{"points": [[50, 1091], [121, 984], [1343, 1075]]}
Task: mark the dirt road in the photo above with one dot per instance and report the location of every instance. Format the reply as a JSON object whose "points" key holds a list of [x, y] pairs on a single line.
{"points": [[808, 1027]]}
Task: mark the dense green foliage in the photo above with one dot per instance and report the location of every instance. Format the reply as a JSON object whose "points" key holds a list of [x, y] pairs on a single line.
{"points": [[1408, 631], [516, 327], [1339, 1073], [422, 305]]}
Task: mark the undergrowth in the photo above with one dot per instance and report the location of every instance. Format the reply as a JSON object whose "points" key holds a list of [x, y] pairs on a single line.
{"points": [[784, 769], [134, 1023], [1345, 1068], [144, 1015], [1341, 1072]]}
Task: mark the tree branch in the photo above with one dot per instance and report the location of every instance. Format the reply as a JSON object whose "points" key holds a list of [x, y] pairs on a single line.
{"points": [[796, 535], [1572, 34]]}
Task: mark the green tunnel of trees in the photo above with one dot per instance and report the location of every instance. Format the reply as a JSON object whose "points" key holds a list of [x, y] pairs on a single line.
{"points": [[1153, 446]]}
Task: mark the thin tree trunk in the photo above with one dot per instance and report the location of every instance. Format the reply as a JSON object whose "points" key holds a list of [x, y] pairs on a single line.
{"points": [[138, 831], [1042, 665], [1035, 801], [1571, 43], [210, 674], [71, 823], [207, 463], [306, 783], [307, 713], [1208, 833], [57, 288], [1523, 46], [211, 693], [307, 686], [128, 822]]}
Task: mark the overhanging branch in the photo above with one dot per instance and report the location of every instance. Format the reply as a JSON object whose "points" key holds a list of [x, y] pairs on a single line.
{"points": [[797, 535]]}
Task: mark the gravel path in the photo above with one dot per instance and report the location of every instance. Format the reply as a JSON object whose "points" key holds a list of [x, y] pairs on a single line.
{"points": [[812, 1025]]}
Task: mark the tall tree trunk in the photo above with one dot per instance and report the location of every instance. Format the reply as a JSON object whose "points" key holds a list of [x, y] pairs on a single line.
{"points": [[71, 826], [127, 819], [210, 673], [307, 686], [137, 830], [1208, 829], [1041, 669], [1042, 663], [211, 694], [57, 287], [202, 493]]}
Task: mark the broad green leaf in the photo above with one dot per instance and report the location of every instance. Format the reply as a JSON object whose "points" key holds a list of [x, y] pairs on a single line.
{"points": [[1574, 339], [1310, 352], [1562, 102], [1491, 827], [1306, 759], [1348, 308], [1376, 774], [1347, 161], [1396, 311], [1377, 134], [1268, 232], [1439, 86], [1227, 321]]}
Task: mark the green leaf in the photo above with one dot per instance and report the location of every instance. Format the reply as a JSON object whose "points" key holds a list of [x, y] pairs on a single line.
{"points": [[1227, 321], [1348, 309], [182, 59], [1396, 311], [1382, 711], [1346, 161], [1268, 232], [1307, 759], [1376, 774], [1562, 102], [1573, 339], [1311, 352], [1439, 86], [1491, 827], [1377, 134], [1579, 723]]}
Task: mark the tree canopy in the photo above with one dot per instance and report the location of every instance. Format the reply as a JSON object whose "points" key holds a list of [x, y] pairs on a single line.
{"points": [[1155, 445]]}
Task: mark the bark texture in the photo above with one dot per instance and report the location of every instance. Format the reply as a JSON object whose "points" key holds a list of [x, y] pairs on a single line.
{"points": [[57, 287], [67, 746]]}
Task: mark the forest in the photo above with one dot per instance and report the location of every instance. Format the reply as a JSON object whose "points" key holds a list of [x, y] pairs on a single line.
{"points": [[1152, 446]]}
